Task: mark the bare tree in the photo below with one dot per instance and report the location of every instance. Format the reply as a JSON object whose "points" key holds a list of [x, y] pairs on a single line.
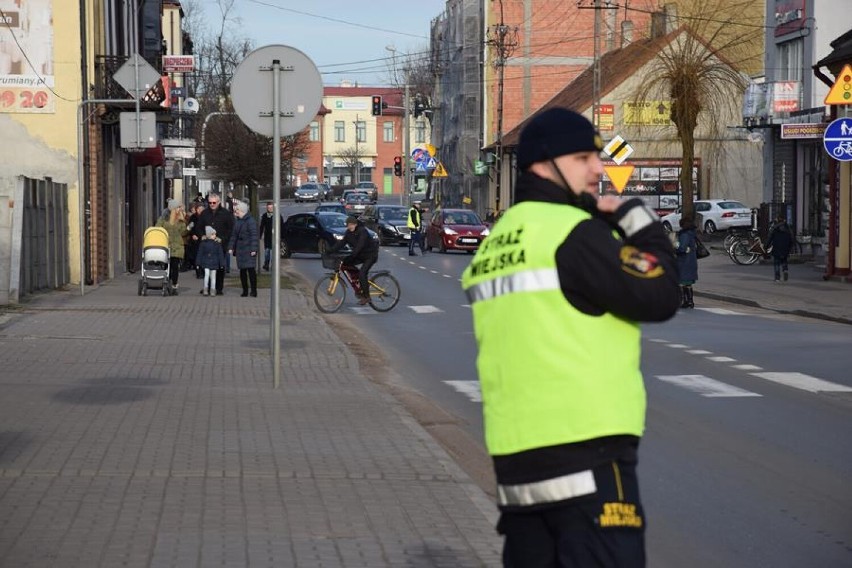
{"points": [[415, 69], [695, 73], [351, 158]]}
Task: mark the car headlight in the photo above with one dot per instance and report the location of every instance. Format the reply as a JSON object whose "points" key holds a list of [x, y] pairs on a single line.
{"points": [[338, 236], [448, 231], [485, 232]]}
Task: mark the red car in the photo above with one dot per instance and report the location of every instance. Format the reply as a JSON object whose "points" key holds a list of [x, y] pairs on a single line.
{"points": [[455, 229]]}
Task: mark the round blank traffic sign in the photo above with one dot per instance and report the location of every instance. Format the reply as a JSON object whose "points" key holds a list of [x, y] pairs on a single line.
{"points": [[300, 89]]}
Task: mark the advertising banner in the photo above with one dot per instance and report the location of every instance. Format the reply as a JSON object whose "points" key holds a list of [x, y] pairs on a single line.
{"points": [[648, 113], [26, 56]]}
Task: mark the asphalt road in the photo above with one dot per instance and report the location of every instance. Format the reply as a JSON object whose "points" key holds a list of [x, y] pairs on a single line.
{"points": [[747, 455]]}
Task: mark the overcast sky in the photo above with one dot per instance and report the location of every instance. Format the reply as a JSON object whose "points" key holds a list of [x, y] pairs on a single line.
{"points": [[344, 38]]}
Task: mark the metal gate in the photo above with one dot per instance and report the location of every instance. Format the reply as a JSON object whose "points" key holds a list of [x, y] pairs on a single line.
{"points": [[44, 236]]}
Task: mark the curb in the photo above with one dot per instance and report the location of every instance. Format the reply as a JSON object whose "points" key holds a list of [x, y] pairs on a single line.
{"points": [[755, 304]]}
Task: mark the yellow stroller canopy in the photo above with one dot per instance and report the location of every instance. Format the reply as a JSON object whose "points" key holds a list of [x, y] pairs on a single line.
{"points": [[155, 237]]}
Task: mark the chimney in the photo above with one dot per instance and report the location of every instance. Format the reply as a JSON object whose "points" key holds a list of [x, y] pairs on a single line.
{"points": [[670, 10], [609, 43], [626, 33], [658, 24]]}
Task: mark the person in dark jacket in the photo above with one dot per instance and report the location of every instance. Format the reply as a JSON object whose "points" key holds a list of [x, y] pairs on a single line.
{"points": [[781, 241], [243, 245], [365, 251], [687, 261], [220, 219], [557, 292], [266, 232]]}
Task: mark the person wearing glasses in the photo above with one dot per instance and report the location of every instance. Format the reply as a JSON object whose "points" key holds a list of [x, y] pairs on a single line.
{"points": [[222, 221]]}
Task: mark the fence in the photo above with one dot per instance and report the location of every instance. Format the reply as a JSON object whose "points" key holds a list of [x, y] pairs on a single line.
{"points": [[44, 262]]}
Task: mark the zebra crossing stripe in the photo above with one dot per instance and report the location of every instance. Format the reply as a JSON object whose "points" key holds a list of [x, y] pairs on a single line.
{"points": [[803, 382], [468, 388], [705, 386], [425, 309]]}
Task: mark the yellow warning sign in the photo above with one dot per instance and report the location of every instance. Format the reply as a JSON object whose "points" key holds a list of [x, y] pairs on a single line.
{"points": [[619, 175], [440, 171], [841, 91]]}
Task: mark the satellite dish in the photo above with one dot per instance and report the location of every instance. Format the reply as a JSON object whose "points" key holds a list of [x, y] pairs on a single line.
{"points": [[190, 105]]}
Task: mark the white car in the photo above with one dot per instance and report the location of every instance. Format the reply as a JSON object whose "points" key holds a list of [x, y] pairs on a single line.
{"points": [[716, 215]]}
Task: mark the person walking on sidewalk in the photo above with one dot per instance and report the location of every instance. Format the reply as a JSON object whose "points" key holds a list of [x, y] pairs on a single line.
{"points": [[175, 226], [415, 225], [781, 241], [243, 245], [210, 258], [557, 291], [687, 261], [266, 232], [220, 219]]}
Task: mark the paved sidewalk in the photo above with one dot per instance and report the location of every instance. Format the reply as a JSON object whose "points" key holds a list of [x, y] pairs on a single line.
{"points": [[805, 293], [144, 431]]}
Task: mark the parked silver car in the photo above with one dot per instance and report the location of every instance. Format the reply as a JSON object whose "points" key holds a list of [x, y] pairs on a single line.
{"points": [[309, 192]]}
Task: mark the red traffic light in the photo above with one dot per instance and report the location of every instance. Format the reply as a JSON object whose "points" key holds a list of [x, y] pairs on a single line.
{"points": [[397, 165], [377, 105]]}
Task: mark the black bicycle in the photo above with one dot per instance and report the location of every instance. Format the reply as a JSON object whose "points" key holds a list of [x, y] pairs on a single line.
{"points": [[330, 290]]}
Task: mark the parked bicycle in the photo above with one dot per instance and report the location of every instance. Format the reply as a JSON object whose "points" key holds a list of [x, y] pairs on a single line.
{"points": [[330, 290]]}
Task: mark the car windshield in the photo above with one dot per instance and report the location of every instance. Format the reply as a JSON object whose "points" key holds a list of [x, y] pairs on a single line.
{"points": [[366, 184], [357, 198], [395, 214], [731, 205], [332, 220], [461, 218]]}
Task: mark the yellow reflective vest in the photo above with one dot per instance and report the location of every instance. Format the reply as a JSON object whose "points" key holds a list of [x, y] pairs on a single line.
{"points": [[412, 214], [550, 374]]}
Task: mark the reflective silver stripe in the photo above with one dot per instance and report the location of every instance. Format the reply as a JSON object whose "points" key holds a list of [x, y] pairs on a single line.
{"points": [[548, 491], [526, 281], [637, 219]]}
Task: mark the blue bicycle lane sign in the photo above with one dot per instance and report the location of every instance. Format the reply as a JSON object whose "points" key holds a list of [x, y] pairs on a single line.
{"points": [[838, 139]]}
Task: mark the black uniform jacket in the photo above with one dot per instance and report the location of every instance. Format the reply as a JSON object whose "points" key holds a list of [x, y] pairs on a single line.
{"points": [[600, 273], [220, 219], [363, 245]]}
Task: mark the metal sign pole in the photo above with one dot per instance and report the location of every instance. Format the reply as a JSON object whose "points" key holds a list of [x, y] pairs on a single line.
{"points": [[276, 225]]}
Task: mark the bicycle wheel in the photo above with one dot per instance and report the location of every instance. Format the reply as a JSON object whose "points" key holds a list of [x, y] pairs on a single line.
{"points": [[329, 293], [741, 254], [384, 292]]}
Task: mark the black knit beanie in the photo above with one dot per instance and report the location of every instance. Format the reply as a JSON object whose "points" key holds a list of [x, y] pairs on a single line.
{"points": [[556, 132]]}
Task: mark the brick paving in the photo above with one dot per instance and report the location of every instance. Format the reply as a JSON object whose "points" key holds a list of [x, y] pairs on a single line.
{"points": [[144, 431]]}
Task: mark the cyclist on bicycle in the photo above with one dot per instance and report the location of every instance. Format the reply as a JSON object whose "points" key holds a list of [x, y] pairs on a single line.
{"points": [[365, 251]]}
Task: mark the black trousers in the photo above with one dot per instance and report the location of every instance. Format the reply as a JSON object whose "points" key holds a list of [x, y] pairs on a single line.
{"points": [[248, 276], [363, 273], [174, 269], [606, 529]]}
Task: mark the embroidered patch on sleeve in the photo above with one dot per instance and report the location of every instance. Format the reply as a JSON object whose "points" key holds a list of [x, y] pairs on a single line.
{"points": [[640, 264]]}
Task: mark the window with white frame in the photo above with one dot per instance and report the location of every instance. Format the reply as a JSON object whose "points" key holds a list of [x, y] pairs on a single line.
{"points": [[789, 63], [314, 132], [387, 132], [360, 131], [339, 131]]}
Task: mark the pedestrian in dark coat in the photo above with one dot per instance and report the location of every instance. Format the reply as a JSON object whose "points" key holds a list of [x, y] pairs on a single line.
{"points": [[781, 241], [687, 261], [266, 232], [220, 219], [244, 246]]}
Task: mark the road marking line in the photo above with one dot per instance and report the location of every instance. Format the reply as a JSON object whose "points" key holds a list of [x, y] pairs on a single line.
{"points": [[705, 386], [722, 311], [362, 310], [721, 359], [447, 276], [468, 388], [411, 262], [465, 305], [699, 352], [434, 271], [659, 340], [803, 382], [677, 345], [422, 267], [425, 309], [748, 367]]}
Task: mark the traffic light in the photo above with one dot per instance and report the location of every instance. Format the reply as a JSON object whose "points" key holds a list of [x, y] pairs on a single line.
{"points": [[397, 166], [377, 105]]}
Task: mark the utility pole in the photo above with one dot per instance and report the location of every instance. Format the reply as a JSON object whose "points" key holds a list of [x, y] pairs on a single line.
{"points": [[597, 6], [504, 40], [357, 152], [406, 148]]}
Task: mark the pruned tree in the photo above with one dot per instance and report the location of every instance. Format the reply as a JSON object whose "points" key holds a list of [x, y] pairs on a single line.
{"points": [[351, 158], [415, 69], [694, 71]]}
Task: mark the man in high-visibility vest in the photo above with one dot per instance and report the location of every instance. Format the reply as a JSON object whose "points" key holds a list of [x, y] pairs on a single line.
{"points": [[556, 292], [415, 226]]}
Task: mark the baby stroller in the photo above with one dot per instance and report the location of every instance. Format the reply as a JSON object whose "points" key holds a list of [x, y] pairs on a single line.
{"points": [[155, 262]]}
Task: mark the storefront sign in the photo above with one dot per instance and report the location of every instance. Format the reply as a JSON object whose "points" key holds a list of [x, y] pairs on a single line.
{"points": [[802, 131], [648, 113], [178, 63], [606, 118], [25, 82], [789, 16], [785, 96]]}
